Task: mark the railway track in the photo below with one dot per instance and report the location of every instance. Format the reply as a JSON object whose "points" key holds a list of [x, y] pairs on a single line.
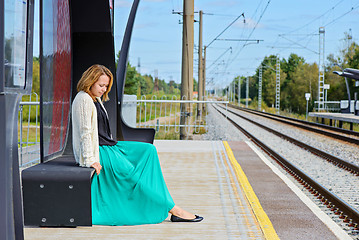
{"points": [[330, 131], [352, 168], [346, 210]]}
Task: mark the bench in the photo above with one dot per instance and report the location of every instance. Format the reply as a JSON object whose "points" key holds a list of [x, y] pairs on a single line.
{"points": [[57, 193]]}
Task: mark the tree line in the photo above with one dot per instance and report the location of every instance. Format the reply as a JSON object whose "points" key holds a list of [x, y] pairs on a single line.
{"points": [[135, 84], [298, 77]]}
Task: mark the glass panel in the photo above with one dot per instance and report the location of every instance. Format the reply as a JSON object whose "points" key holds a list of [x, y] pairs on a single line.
{"points": [[111, 3], [55, 74], [15, 43]]}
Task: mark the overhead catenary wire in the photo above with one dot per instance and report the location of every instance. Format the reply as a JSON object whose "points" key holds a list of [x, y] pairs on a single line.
{"points": [[307, 24], [301, 40], [307, 37], [230, 48], [225, 29], [296, 43], [246, 40], [314, 32], [249, 36]]}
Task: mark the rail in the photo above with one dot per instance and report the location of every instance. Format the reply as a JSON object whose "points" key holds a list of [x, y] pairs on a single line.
{"points": [[330, 158], [311, 126], [340, 207]]}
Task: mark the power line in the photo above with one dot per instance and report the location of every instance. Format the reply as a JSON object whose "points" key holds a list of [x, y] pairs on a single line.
{"points": [[296, 43], [352, 9], [314, 32], [332, 8], [221, 15], [225, 29], [230, 48], [229, 61], [260, 17]]}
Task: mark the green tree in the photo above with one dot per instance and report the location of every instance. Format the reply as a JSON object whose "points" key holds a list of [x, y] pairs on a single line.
{"points": [[269, 80], [195, 85], [348, 58], [289, 67], [36, 75], [147, 85], [304, 80], [353, 56], [133, 79]]}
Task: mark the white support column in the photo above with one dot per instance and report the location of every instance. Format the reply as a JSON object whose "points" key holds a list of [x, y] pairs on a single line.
{"points": [[260, 89], [229, 93], [247, 91], [277, 86], [321, 70], [234, 91], [239, 92], [200, 67]]}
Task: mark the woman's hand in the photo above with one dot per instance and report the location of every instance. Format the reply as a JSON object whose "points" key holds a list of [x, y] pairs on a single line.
{"points": [[97, 166]]}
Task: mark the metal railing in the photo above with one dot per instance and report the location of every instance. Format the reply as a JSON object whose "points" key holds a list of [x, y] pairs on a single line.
{"points": [[166, 113], [329, 106], [162, 114], [29, 146]]}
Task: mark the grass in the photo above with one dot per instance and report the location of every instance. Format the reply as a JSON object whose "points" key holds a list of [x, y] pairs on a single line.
{"points": [[155, 110], [32, 132], [171, 134]]}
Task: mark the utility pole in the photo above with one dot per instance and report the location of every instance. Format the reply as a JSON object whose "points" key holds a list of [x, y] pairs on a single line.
{"points": [[260, 89], [204, 77], [139, 65], [277, 85], [321, 70], [247, 91], [349, 39], [187, 65], [200, 66], [156, 84], [239, 91], [234, 91], [231, 88], [230, 92]]}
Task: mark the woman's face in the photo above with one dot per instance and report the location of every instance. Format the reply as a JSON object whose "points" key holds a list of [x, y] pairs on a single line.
{"points": [[100, 87]]}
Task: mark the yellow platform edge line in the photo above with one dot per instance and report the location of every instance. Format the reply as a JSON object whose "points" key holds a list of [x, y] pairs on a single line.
{"points": [[263, 220]]}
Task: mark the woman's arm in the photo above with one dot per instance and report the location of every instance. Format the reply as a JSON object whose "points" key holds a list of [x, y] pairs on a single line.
{"points": [[84, 112]]}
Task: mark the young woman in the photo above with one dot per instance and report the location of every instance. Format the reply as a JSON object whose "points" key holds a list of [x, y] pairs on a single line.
{"points": [[128, 187]]}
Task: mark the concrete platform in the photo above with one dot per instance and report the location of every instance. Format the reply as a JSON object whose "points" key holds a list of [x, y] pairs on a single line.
{"points": [[292, 213], [199, 179], [344, 117], [232, 185]]}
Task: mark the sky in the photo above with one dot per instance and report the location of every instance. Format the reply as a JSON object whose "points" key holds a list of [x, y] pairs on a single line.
{"points": [[283, 26]]}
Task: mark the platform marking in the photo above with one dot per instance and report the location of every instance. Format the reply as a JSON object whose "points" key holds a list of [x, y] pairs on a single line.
{"points": [[337, 231], [243, 225], [264, 222], [220, 183], [253, 228]]}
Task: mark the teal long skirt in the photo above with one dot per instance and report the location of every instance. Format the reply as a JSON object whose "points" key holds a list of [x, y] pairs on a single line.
{"points": [[130, 189]]}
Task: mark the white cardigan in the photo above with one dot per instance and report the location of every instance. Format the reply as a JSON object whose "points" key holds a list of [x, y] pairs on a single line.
{"points": [[85, 130]]}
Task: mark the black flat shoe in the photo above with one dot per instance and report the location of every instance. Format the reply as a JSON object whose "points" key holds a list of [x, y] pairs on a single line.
{"points": [[178, 219]]}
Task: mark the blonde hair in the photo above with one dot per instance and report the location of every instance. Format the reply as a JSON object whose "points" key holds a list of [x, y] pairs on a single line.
{"points": [[91, 76]]}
